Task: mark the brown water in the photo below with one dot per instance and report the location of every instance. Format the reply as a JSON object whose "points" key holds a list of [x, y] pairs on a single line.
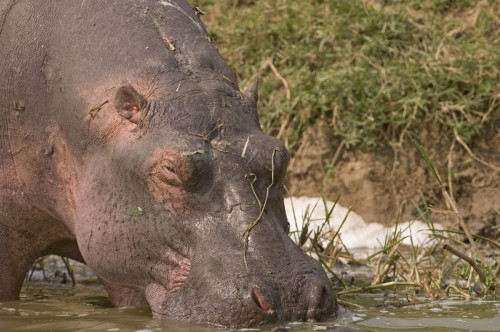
{"points": [[86, 308]]}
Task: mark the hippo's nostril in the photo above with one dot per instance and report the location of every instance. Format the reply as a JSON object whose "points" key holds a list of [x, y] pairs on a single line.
{"points": [[261, 301], [320, 300], [324, 301]]}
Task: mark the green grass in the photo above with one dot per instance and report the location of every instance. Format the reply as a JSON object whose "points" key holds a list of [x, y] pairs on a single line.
{"points": [[373, 70]]}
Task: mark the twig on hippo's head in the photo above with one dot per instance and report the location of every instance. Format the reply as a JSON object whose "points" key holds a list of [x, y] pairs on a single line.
{"points": [[262, 206]]}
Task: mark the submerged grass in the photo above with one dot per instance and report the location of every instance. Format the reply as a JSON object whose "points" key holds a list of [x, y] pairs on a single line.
{"points": [[374, 70]]}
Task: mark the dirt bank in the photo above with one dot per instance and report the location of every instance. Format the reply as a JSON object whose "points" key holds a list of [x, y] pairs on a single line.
{"points": [[388, 181]]}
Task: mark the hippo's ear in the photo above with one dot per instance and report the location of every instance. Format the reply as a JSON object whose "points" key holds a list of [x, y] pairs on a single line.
{"points": [[129, 103], [252, 92]]}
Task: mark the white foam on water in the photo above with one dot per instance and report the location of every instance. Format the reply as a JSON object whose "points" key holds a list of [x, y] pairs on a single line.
{"points": [[355, 233]]}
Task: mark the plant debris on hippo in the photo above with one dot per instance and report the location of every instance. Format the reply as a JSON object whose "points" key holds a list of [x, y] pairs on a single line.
{"points": [[127, 145]]}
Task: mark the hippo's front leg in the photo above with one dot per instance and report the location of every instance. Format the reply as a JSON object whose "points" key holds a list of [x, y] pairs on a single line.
{"points": [[122, 296]]}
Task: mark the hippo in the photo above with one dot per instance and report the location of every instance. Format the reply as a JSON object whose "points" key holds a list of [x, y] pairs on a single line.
{"points": [[127, 145]]}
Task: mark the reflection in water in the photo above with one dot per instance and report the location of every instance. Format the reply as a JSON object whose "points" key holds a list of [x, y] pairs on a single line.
{"points": [[47, 307]]}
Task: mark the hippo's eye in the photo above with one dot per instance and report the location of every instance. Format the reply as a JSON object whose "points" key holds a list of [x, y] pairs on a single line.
{"points": [[169, 168], [180, 171], [191, 172], [167, 173]]}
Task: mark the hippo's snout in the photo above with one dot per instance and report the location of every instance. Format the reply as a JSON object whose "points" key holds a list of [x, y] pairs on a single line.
{"points": [[314, 302], [248, 300]]}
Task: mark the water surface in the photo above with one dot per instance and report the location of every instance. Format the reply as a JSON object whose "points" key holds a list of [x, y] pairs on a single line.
{"points": [[53, 307]]}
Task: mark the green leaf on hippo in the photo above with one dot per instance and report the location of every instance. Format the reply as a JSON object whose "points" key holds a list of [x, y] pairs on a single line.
{"points": [[135, 211]]}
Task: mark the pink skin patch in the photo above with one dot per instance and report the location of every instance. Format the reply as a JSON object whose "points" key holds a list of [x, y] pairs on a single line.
{"points": [[178, 277], [168, 173], [158, 293], [177, 272]]}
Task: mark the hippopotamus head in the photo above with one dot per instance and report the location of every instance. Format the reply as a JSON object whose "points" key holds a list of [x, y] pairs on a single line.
{"points": [[186, 207]]}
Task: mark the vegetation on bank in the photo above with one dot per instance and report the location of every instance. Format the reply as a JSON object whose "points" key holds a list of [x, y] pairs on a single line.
{"points": [[374, 70], [453, 263]]}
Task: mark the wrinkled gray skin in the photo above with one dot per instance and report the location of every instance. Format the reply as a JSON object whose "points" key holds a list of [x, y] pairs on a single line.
{"points": [[111, 106]]}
